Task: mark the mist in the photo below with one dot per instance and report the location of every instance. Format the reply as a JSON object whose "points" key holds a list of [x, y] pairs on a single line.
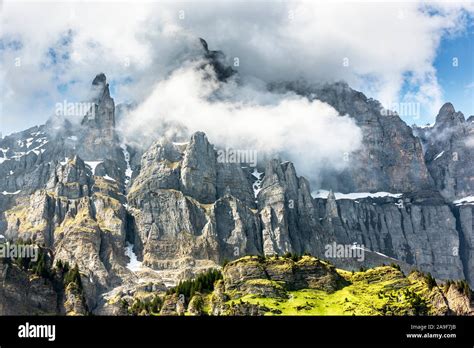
{"points": [[242, 115]]}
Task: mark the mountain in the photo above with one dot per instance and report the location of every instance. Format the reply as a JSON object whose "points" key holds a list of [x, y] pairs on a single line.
{"points": [[391, 158], [127, 217], [448, 151], [448, 147]]}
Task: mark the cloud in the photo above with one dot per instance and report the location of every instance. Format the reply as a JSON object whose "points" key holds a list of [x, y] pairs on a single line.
{"points": [[470, 141], [373, 46], [311, 134]]}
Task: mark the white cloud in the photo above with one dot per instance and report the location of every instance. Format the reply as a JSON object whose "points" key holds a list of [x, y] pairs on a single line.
{"points": [[268, 123], [273, 40]]}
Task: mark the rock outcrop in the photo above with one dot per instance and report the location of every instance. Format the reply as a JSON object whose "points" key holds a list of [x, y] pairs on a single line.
{"points": [[183, 218], [271, 277], [287, 213]]}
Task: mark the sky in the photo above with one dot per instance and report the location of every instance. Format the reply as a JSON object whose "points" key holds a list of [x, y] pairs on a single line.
{"points": [[396, 52], [457, 81]]}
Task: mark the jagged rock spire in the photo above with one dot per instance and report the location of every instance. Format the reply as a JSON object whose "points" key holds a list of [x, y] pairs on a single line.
{"points": [[217, 61], [102, 115], [447, 114], [99, 79], [331, 206]]}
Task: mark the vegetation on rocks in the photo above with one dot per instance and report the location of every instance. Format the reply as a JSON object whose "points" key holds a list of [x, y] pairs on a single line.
{"points": [[204, 282], [381, 290], [300, 285]]}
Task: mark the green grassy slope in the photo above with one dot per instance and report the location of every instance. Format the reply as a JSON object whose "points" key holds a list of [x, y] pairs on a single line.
{"points": [[378, 291]]}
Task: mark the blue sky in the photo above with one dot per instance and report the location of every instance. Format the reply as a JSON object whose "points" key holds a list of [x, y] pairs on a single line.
{"points": [[457, 82]]}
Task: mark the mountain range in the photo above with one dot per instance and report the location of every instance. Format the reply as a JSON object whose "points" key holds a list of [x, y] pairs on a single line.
{"points": [[128, 217]]}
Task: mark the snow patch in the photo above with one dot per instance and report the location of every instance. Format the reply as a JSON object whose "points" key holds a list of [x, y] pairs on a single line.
{"points": [[5, 193], [430, 125], [4, 158], [356, 246], [134, 265], [438, 155], [355, 195], [381, 254], [93, 164], [128, 171], [38, 151], [106, 177], [29, 141], [257, 185], [465, 200], [65, 161], [37, 133]]}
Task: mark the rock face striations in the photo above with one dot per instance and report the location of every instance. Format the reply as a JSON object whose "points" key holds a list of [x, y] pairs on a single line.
{"points": [[75, 189], [449, 154]]}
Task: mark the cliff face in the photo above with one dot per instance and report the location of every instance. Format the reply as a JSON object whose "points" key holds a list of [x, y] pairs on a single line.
{"points": [[22, 295], [179, 210], [419, 231], [465, 221], [25, 292], [391, 158], [188, 209]]}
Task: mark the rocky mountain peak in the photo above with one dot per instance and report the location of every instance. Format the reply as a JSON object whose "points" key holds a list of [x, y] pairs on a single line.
{"points": [[100, 89], [204, 44], [99, 123], [199, 139], [100, 79], [448, 115], [447, 152], [331, 206], [199, 169], [217, 60]]}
